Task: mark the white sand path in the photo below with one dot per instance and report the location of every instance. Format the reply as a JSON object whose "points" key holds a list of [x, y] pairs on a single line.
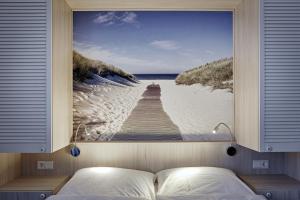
{"points": [[196, 109]]}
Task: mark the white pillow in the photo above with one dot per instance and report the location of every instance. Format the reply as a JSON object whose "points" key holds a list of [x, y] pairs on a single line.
{"points": [[214, 197], [88, 197], [114, 182], [199, 181]]}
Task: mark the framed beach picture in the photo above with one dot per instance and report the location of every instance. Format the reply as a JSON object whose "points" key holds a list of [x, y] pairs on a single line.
{"points": [[153, 75]]}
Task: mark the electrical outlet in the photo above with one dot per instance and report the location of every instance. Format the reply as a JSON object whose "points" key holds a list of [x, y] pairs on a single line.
{"points": [[44, 165], [260, 164]]}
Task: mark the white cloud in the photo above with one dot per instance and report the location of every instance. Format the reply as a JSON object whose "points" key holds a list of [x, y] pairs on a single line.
{"points": [[209, 52], [127, 63], [165, 44], [92, 51], [111, 18], [129, 17], [187, 53]]}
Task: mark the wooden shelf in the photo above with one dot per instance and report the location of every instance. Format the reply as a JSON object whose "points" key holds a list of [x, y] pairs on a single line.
{"points": [[279, 187], [31, 188]]}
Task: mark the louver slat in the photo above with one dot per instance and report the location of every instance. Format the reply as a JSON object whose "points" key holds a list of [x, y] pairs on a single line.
{"points": [[24, 75], [281, 24]]}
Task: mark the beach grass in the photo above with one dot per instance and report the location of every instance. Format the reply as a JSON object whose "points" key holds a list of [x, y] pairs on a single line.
{"points": [[217, 74], [83, 68]]}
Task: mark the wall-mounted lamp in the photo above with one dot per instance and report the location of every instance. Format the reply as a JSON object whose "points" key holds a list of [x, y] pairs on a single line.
{"points": [[231, 150], [75, 151]]}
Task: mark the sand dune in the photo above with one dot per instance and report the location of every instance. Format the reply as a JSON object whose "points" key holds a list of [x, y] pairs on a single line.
{"points": [[103, 108], [98, 80]]}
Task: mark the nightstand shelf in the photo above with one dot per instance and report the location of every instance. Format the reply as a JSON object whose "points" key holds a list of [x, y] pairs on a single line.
{"points": [[32, 188], [274, 187]]}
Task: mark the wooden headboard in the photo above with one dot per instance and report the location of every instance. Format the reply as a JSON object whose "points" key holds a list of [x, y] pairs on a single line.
{"points": [[152, 157]]}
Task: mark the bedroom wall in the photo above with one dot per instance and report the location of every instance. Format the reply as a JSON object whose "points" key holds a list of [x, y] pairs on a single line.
{"points": [[152, 157], [10, 167], [292, 165], [157, 156]]}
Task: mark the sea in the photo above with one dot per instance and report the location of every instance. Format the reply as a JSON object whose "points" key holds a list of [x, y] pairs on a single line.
{"points": [[156, 76]]}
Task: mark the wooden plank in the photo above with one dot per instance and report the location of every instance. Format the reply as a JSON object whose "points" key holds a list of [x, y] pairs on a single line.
{"points": [[246, 74], [148, 120], [62, 70], [271, 182], [10, 167], [279, 187], [152, 157], [153, 4], [40, 183], [292, 165]]}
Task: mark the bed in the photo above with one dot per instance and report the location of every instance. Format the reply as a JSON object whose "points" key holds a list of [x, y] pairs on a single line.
{"points": [[192, 183]]}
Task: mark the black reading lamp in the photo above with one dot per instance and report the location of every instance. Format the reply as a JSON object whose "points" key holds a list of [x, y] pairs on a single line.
{"points": [[75, 151], [231, 150]]}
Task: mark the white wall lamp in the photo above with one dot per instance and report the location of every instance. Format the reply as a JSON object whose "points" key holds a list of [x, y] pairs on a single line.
{"points": [[75, 151], [231, 150]]}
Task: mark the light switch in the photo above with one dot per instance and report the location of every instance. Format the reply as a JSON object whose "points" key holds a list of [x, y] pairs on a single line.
{"points": [[260, 164], [44, 165]]}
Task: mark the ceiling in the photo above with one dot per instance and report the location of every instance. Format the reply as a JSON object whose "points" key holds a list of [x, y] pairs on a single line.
{"points": [[153, 4]]}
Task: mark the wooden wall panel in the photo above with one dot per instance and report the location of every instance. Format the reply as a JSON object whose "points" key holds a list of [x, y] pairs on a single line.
{"points": [[62, 70], [246, 74], [292, 165], [10, 167], [153, 4], [152, 157]]}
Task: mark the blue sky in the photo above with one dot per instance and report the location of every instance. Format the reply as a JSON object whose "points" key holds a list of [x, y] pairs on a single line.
{"points": [[154, 42]]}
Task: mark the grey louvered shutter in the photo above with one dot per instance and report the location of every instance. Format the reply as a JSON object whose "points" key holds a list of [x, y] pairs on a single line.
{"points": [[25, 73], [280, 75]]}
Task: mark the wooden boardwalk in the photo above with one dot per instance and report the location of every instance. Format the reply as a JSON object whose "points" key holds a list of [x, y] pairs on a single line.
{"points": [[148, 120]]}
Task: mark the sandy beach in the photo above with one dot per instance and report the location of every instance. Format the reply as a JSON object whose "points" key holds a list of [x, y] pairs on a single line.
{"points": [[103, 108], [194, 111]]}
